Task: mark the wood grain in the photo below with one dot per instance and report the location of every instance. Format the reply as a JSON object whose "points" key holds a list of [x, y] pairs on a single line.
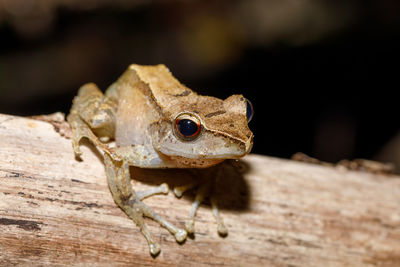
{"points": [[58, 211]]}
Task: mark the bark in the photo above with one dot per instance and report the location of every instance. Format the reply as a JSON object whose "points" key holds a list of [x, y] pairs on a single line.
{"points": [[56, 210]]}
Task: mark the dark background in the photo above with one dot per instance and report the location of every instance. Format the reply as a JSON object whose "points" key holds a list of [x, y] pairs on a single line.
{"points": [[323, 76]]}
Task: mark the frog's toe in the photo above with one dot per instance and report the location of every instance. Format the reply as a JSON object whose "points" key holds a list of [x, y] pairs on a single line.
{"points": [[164, 189], [155, 249], [76, 147], [178, 192], [77, 152], [180, 235], [189, 225], [222, 230]]}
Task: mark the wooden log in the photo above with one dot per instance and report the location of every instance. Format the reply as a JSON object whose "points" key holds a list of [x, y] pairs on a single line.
{"points": [[56, 210]]}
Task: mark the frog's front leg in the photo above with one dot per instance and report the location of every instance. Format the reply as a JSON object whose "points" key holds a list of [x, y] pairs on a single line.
{"points": [[119, 181], [91, 117]]}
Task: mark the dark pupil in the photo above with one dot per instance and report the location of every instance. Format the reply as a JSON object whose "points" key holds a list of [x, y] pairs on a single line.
{"points": [[249, 110], [187, 127]]}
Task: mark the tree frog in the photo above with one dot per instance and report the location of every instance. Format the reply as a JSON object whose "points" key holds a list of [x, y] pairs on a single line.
{"points": [[157, 122]]}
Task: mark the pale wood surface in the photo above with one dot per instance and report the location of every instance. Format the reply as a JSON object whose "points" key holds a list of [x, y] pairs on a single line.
{"points": [[55, 210]]}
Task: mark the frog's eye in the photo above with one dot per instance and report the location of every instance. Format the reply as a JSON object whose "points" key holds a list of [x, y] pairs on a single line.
{"points": [[249, 110], [187, 127]]}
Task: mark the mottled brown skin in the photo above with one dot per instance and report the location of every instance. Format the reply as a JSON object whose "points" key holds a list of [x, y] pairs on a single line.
{"points": [[139, 112]]}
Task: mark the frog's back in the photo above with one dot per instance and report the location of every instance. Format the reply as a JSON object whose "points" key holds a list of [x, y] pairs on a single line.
{"points": [[135, 110]]}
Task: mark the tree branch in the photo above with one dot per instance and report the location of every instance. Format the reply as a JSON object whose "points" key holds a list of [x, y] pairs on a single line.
{"points": [[56, 210]]}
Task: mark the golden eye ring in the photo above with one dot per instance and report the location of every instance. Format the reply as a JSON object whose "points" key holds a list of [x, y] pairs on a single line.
{"points": [[187, 127]]}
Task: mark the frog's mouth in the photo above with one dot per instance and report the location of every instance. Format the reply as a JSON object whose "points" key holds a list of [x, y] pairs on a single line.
{"points": [[199, 158], [207, 149], [182, 162], [207, 152]]}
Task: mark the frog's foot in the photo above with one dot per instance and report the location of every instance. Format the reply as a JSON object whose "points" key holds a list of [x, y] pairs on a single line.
{"points": [[81, 130], [178, 191], [119, 182], [203, 191], [137, 210], [91, 115]]}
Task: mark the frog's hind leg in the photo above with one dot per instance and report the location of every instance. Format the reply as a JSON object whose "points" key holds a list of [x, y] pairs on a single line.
{"points": [[130, 202], [91, 116]]}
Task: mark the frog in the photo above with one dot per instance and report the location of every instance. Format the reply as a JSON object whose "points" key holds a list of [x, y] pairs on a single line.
{"points": [[154, 121]]}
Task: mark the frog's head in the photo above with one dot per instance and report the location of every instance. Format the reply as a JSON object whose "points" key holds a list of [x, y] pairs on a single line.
{"points": [[203, 131]]}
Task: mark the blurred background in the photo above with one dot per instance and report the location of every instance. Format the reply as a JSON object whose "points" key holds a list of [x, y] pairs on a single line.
{"points": [[322, 75]]}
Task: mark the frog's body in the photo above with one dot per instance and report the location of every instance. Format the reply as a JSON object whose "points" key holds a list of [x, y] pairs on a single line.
{"points": [[157, 122]]}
